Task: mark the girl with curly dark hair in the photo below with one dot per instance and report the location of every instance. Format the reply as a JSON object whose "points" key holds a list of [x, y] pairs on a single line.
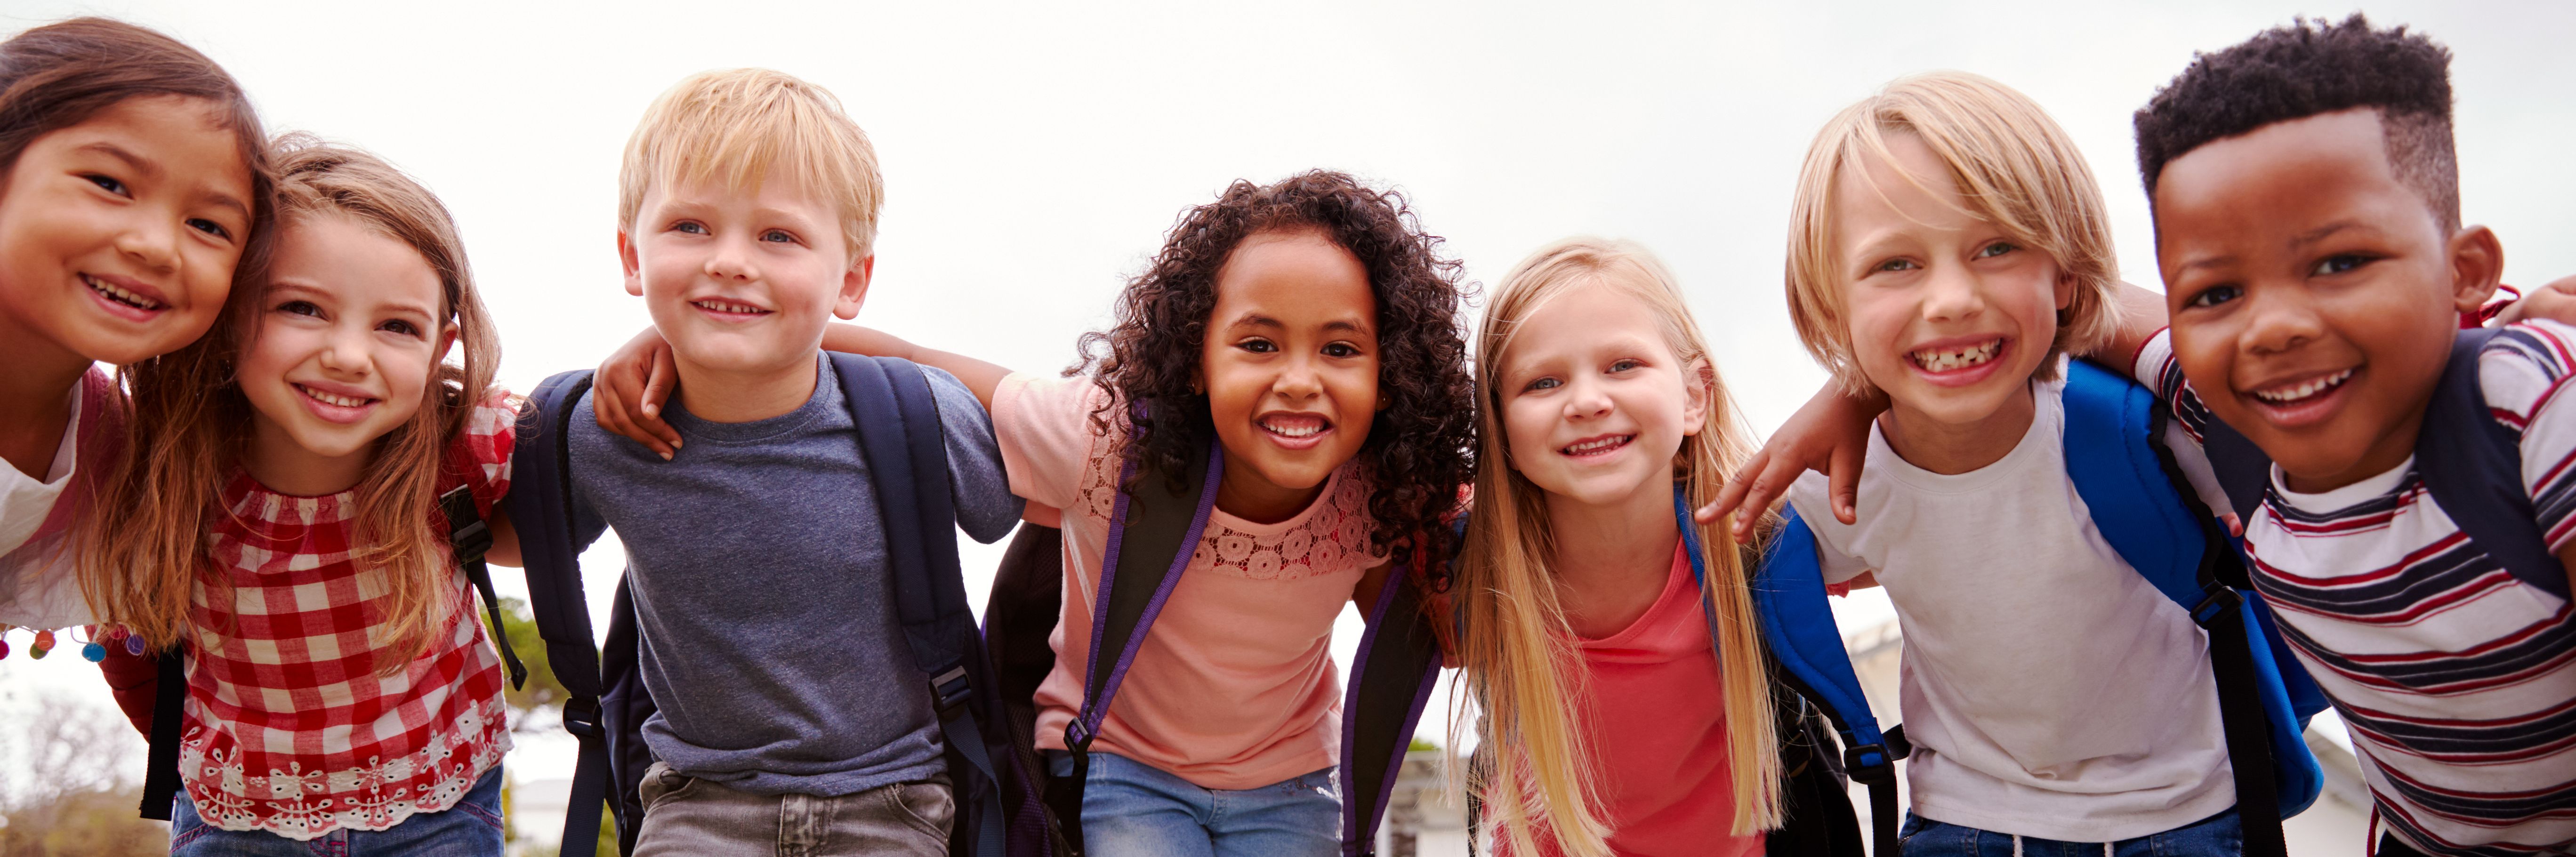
{"points": [[1312, 328]]}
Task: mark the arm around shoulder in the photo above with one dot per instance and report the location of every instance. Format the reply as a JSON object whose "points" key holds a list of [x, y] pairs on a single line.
{"points": [[979, 377]]}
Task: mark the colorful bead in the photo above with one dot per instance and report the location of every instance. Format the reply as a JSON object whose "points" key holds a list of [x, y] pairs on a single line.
{"points": [[43, 645], [4, 650], [133, 643], [94, 652]]}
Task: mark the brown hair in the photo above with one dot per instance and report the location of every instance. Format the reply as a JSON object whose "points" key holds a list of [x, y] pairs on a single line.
{"points": [[58, 75], [143, 552]]}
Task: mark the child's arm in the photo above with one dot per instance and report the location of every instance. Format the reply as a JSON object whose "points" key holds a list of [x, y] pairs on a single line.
{"points": [[505, 538], [630, 387], [1830, 434]]}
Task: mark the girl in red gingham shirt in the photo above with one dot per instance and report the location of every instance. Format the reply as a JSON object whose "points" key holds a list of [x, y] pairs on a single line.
{"points": [[276, 520]]}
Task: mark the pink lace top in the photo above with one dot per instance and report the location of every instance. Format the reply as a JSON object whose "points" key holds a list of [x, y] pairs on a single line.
{"points": [[1235, 686]]}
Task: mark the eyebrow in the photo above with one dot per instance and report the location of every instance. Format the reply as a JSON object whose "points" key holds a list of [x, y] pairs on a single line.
{"points": [[2322, 233], [1259, 320], [131, 159], [281, 287]]}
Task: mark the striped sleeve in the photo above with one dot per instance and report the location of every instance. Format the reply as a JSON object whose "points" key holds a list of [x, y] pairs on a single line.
{"points": [[2155, 367], [2524, 371]]}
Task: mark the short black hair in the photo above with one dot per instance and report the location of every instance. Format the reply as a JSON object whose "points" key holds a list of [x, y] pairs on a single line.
{"points": [[2308, 68]]}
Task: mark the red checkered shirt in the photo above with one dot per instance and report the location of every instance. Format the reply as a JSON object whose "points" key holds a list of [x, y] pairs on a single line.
{"points": [[288, 728]]}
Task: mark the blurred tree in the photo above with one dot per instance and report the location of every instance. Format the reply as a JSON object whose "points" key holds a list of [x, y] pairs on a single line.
{"points": [[71, 794]]}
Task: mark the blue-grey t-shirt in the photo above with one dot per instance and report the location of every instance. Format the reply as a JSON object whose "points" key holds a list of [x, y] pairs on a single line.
{"points": [[757, 563]]}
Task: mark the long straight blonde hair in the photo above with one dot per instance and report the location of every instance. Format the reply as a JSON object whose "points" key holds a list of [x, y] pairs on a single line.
{"points": [[1535, 768], [143, 551]]}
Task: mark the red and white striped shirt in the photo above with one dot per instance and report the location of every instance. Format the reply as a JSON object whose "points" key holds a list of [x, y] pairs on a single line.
{"points": [[288, 727], [2456, 677]]}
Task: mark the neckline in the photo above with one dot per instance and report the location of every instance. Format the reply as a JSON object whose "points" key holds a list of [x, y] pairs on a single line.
{"points": [[1677, 580]]}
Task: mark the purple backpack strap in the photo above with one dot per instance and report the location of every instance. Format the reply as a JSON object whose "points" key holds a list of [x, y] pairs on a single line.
{"points": [[1150, 544]]}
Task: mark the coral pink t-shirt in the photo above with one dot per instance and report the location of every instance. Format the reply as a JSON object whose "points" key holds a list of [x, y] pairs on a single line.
{"points": [[1657, 721], [1234, 687]]}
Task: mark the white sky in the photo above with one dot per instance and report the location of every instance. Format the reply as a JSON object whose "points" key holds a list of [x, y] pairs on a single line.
{"points": [[1034, 154]]}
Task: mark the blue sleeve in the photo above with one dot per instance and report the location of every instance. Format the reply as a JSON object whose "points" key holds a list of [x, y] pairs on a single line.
{"points": [[986, 508], [587, 525]]}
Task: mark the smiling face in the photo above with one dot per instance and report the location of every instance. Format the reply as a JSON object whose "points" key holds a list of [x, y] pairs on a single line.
{"points": [[1594, 401], [1290, 365], [1949, 315], [741, 283], [118, 236], [2314, 296], [349, 330]]}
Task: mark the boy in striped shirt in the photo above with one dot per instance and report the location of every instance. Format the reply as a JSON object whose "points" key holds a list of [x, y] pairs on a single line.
{"points": [[2307, 220]]}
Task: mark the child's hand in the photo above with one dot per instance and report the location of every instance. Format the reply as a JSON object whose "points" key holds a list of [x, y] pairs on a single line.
{"points": [[2555, 302], [629, 389], [1829, 435]]}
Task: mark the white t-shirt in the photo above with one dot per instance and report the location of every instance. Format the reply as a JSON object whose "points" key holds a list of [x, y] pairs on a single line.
{"points": [[37, 588], [2048, 689]]}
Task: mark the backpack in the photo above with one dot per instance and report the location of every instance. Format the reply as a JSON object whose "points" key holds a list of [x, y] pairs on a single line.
{"points": [[2471, 464], [1154, 528], [2128, 482], [897, 420], [1815, 806], [467, 536]]}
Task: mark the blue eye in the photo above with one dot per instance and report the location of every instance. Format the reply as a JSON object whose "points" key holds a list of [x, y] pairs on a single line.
{"points": [[1624, 365], [2215, 295], [1995, 249], [778, 236], [1895, 265], [1544, 384], [691, 227]]}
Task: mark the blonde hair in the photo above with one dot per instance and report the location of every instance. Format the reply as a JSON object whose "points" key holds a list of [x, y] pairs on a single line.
{"points": [[737, 125], [1518, 653], [143, 550], [2013, 166]]}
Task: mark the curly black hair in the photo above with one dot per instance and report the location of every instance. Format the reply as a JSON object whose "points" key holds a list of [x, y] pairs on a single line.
{"points": [[1418, 452], [2305, 69]]}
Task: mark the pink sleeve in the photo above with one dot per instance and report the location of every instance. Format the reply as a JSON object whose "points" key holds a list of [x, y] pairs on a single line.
{"points": [[1044, 427]]}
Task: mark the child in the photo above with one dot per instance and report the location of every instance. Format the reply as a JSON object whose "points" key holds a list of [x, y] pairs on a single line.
{"points": [[137, 178], [277, 522], [2307, 212], [791, 714], [1312, 325], [1949, 246], [1585, 639]]}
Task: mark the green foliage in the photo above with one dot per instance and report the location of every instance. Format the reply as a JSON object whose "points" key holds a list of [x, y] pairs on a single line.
{"points": [[1421, 743]]}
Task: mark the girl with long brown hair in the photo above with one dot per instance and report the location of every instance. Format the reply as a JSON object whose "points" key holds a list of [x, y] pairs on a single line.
{"points": [[1611, 721], [277, 521]]}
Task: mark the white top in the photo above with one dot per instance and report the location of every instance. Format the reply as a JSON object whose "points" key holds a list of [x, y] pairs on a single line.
{"points": [[37, 588], [2048, 689], [2456, 675]]}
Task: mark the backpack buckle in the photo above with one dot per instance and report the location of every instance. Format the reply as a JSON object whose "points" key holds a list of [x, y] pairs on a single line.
{"points": [[1077, 740], [951, 689], [1870, 763], [472, 540], [2222, 600], [581, 717]]}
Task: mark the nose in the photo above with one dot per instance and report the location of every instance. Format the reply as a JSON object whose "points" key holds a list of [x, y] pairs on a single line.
{"points": [[2279, 320], [1298, 381], [345, 353], [731, 261], [1952, 293], [1586, 400], [151, 242]]}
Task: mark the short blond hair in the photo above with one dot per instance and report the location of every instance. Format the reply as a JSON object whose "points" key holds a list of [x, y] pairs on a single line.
{"points": [[2014, 167], [738, 125]]}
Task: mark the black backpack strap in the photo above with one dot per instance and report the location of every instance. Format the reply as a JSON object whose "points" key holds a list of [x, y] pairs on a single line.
{"points": [[471, 539], [1153, 529], [1020, 613], [161, 762], [2472, 465], [1392, 676], [541, 510], [897, 416]]}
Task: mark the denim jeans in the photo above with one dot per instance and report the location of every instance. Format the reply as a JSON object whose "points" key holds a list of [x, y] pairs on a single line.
{"points": [[1131, 809], [2209, 837], [471, 828], [685, 815]]}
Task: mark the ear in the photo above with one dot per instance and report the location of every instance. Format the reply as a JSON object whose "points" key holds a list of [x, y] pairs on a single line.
{"points": [[2477, 266], [634, 268], [854, 287], [1699, 393], [446, 342], [2065, 291]]}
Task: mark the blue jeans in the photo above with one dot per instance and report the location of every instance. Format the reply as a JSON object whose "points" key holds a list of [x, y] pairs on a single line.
{"points": [[1131, 809], [471, 828], [2209, 837]]}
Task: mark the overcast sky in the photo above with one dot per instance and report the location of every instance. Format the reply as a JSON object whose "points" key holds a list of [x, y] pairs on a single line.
{"points": [[1034, 155]]}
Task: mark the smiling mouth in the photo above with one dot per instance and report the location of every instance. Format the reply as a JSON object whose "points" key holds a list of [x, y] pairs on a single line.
{"points": [[2292, 394], [728, 307], [1295, 426], [1597, 446], [333, 399], [122, 296], [1954, 359]]}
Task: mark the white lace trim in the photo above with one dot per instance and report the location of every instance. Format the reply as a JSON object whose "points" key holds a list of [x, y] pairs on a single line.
{"points": [[302, 805]]}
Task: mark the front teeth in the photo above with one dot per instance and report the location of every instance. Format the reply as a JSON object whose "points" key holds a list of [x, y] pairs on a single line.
{"points": [[331, 399], [1957, 358], [726, 306], [2294, 393], [120, 295], [1295, 431], [1592, 446]]}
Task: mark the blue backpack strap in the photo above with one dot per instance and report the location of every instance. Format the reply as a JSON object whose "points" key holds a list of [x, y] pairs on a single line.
{"points": [[2472, 465], [2129, 482], [1392, 676], [897, 416], [1798, 626], [541, 511]]}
